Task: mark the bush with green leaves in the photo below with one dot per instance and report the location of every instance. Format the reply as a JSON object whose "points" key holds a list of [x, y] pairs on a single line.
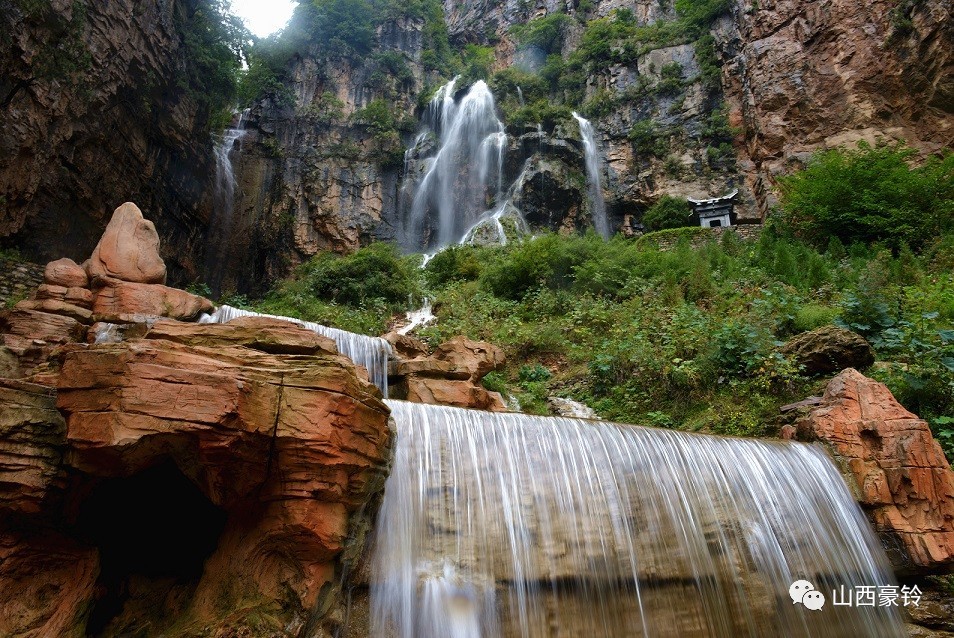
{"points": [[870, 194], [545, 33], [669, 212], [454, 263]]}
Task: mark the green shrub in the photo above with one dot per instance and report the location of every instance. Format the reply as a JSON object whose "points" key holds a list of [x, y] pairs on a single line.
{"points": [[870, 194], [648, 138], [495, 382], [811, 316], [669, 212], [376, 272], [546, 32], [454, 263]]}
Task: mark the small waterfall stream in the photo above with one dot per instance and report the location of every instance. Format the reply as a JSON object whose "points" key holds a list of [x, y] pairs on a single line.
{"points": [[223, 200], [600, 220], [370, 352], [511, 525]]}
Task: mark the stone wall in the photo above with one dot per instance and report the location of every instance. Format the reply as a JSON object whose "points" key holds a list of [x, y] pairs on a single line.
{"points": [[748, 232], [18, 279]]}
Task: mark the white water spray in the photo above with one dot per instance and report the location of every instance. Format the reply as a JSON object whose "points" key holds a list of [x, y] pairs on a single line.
{"points": [[223, 201], [600, 220], [466, 173], [497, 524]]}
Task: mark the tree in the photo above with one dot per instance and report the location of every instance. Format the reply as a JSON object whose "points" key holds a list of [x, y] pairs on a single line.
{"points": [[870, 194], [668, 212]]}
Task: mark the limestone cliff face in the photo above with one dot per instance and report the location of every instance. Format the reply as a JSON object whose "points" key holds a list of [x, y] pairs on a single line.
{"points": [[801, 76], [91, 116], [316, 176]]}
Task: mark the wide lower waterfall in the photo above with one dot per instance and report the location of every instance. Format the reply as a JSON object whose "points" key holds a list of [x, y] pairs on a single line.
{"points": [[370, 352], [511, 525]]}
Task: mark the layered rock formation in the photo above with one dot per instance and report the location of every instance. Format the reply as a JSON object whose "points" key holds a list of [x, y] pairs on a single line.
{"points": [[111, 286], [173, 477], [93, 112], [449, 376], [897, 470]]}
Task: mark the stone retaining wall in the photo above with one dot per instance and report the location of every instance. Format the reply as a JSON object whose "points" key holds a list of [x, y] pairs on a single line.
{"points": [[744, 231], [18, 279]]}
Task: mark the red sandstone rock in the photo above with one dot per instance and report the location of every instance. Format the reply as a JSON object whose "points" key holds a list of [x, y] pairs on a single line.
{"points": [[65, 273], [33, 325], [128, 249], [47, 581], [896, 468], [54, 307], [405, 346], [116, 300], [451, 376], [476, 357], [260, 333], [463, 394], [290, 446], [32, 438]]}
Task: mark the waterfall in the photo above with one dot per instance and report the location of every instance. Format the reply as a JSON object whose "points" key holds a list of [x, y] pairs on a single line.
{"points": [[497, 524], [223, 201], [371, 352], [467, 171], [600, 221]]}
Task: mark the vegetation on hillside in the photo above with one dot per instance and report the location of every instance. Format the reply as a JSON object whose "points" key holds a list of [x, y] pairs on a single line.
{"points": [[688, 337]]}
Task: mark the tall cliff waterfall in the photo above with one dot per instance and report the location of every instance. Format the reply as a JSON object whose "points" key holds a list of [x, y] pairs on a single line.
{"points": [[594, 183], [460, 194], [511, 525], [223, 201], [465, 176], [370, 352]]}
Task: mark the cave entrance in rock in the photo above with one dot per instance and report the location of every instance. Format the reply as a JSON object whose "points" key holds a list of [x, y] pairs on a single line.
{"points": [[154, 531]]}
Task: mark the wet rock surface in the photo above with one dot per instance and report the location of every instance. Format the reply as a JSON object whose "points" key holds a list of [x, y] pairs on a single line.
{"points": [[897, 470], [830, 349]]}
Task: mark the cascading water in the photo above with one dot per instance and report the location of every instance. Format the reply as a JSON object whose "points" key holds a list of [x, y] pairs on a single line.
{"points": [[223, 214], [600, 220], [466, 174], [371, 352], [511, 525]]}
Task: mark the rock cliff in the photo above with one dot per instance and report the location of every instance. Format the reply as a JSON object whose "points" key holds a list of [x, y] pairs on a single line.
{"points": [[93, 114], [686, 113]]}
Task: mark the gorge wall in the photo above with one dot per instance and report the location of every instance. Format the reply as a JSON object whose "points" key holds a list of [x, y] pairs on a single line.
{"points": [[325, 166], [93, 113]]}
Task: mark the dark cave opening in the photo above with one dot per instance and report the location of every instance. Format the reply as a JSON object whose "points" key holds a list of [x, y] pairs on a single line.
{"points": [[154, 532]]}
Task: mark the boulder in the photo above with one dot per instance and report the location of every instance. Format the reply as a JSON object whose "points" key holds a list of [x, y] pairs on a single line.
{"points": [[476, 357], [895, 467], [829, 349], [450, 376], [35, 325], [462, 394], [260, 333], [125, 302], [287, 449], [128, 249], [405, 346], [65, 273]]}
